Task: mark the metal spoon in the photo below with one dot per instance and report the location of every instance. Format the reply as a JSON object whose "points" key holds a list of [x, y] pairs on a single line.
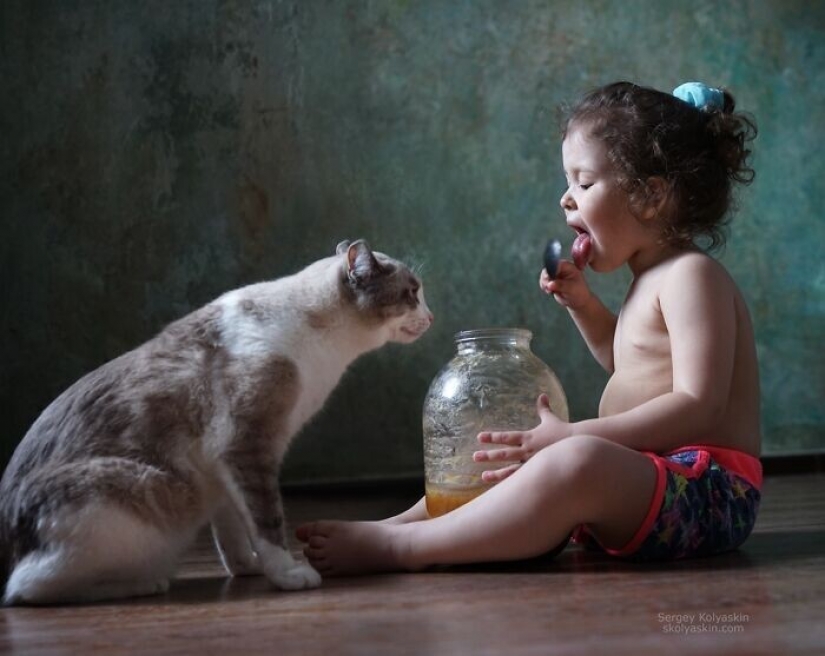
{"points": [[552, 257]]}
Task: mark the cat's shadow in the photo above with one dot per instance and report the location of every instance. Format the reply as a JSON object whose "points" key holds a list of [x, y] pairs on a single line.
{"points": [[205, 590]]}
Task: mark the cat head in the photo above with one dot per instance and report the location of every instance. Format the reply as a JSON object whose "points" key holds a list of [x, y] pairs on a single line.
{"points": [[385, 291]]}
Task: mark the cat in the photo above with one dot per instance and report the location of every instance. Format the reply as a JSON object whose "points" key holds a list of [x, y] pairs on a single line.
{"points": [[116, 477]]}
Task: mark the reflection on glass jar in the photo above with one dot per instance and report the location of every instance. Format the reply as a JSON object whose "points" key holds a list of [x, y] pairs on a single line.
{"points": [[492, 383]]}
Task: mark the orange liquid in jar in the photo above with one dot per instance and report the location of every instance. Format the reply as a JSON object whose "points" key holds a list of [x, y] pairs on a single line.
{"points": [[441, 500]]}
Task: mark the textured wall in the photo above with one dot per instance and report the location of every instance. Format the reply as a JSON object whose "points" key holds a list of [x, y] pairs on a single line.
{"points": [[155, 154]]}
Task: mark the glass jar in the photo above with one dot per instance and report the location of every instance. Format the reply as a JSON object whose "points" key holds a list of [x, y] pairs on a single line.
{"points": [[492, 383]]}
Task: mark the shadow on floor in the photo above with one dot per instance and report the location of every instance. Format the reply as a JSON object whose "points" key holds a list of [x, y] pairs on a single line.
{"points": [[760, 549]]}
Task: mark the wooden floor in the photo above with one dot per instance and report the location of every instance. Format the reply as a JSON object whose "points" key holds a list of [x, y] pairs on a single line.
{"points": [[767, 598]]}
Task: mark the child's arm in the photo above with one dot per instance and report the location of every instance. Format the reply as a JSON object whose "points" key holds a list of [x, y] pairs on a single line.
{"points": [[595, 322]]}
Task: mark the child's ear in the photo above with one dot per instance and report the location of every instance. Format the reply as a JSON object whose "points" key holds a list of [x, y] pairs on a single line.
{"points": [[658, 194]]}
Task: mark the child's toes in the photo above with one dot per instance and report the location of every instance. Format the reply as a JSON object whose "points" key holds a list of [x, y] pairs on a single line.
{"points": [[317, 541], [316, 547], [317, 559], [304, 531]]}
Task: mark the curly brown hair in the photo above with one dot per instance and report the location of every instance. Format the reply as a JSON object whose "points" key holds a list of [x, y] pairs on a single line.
{"points": [[699, 153]]}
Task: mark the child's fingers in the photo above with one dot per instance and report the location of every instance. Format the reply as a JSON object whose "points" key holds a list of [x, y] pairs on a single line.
{"points": [[562, 287], [559, 291], [495, 455], [568, 271], [496, 475], [511, 438], [569, 289], [543, 408], [544, 282]]}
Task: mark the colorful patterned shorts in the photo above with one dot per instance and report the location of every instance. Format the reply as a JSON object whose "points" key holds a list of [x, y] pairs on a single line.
{"points": [[700, 507]]}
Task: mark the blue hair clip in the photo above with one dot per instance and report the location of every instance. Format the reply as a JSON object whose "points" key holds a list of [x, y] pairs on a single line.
{"points": [[700, 95]]}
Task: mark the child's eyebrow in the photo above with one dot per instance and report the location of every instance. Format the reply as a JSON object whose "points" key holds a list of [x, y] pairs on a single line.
{"points": [[577, 171]]}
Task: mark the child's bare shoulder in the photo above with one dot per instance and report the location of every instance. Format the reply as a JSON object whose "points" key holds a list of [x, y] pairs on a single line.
{"points": [[695, 282], [696, 269]]}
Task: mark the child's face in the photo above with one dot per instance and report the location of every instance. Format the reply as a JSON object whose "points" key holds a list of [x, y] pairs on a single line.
{"points": [[595, 204]]}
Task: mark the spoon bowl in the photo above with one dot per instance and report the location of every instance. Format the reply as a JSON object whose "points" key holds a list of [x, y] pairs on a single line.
{"points": [[552, 257]]}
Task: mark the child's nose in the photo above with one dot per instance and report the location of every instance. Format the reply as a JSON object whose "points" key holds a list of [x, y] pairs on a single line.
{"points": [[566, 200]]}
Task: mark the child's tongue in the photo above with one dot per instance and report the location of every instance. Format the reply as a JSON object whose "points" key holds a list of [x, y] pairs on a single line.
{"points": [[581, 250]]}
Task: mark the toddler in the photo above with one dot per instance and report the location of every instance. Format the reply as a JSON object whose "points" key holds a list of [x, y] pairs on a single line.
{"points": [[670, 467]]}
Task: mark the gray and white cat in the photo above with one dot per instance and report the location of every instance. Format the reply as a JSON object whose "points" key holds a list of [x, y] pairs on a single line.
{"points": [[116, 477]]}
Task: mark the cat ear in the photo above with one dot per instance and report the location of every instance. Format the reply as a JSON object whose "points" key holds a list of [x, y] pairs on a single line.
{"points": [[340, 248], [361, 263]]}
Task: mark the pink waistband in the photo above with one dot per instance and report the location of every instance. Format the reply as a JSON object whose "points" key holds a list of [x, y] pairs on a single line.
{"points": [[738, 462]]}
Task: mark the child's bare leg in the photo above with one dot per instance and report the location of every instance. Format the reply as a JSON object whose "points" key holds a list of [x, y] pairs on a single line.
{"points": [[579, 480], [415, 513]]}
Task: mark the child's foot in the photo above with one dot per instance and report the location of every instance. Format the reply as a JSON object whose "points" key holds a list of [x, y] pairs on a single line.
{"points": [[342, 548]]}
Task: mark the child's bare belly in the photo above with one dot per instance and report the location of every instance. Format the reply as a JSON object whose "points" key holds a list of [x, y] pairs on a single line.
{"points": [[624, 392]]}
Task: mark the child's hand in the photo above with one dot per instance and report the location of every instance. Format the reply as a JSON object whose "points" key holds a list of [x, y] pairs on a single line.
{"points": [[520, 445], [569, 288]]}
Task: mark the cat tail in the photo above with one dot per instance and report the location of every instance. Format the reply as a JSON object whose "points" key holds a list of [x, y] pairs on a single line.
{"points": [[49, 526], [5, 558], [5, 570], [13, 543]]}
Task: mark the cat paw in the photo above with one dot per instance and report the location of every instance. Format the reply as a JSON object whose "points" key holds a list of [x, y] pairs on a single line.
{"points": [[245, 570], [242, 566], [299, 576]]}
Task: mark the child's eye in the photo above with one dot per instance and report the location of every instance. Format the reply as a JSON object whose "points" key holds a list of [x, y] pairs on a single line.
{"points": [[585, 186]]}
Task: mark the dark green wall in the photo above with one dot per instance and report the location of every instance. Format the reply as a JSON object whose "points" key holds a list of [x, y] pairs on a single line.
{"points": [[155, 154]]}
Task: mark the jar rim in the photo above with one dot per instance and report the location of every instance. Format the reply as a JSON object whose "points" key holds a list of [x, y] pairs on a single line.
{"points": [[474, 334]]}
